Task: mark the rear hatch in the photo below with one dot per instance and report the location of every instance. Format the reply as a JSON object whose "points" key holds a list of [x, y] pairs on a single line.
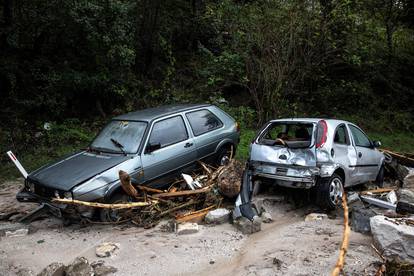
{"points": [[285, 143]]}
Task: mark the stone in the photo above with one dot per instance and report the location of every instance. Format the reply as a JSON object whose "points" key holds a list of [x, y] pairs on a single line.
{"points": [[266, 217], [100, 269], [17, 233], [218, 216], [79, 267], [263, 202], [106, 249], [408, 182], [406, 195], [187, 228], [396, 241], [392, 197], [246, 226], [360, 219], [316, 216], [352, 197], [22, 229], [54, 269]]}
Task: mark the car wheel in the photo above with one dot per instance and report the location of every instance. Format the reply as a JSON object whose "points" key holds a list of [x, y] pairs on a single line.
{"points": [[379, 181], [329, 192], [223, 156], [112, 215]]}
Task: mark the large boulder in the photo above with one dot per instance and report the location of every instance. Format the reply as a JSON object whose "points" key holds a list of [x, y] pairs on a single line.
{"points": [[360, 219], [406, 195], [393, 237]]}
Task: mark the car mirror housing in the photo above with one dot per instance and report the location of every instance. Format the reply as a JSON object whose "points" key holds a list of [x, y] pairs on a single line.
{"points": [[152, 147], [376, 144]]}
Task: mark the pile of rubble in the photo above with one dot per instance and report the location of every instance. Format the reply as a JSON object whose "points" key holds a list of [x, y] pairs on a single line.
{"points": [[187, 200], [79, 267], [388, 214]]}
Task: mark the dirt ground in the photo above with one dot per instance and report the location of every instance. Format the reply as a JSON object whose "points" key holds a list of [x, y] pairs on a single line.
{"points": [[287, 246]]}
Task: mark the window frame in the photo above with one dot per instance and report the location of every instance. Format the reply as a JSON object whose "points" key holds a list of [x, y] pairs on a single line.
{"points": [[198, 110], [353, 139], [163, 119], [347, 138]]}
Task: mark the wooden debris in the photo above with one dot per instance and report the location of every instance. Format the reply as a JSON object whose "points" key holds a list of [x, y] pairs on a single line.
{"points": [[103, 205], [196, 216], [378, 191], [402, 159], [229, 181], [149, 190], [182, 193], [345, 239], [126, 184]]}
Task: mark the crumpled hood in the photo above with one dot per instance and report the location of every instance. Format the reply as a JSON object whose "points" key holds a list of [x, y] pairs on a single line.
{"points": [[75, 169]]}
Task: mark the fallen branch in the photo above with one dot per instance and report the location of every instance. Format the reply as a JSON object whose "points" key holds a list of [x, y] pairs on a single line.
{"points": [[197, 215], [182, 193], [127, 185], [103, 205], [345, 239]]}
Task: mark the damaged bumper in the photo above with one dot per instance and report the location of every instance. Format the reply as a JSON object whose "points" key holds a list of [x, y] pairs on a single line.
{"points": [[243, 205]]}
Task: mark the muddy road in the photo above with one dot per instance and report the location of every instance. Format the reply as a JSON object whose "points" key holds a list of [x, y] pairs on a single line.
{"points": [[287, 246]]}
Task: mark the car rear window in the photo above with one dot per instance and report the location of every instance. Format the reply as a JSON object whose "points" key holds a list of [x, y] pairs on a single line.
{"points": [[203, 121], [290, 134]]}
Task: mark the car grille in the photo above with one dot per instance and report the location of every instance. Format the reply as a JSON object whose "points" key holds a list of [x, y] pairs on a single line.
{"points": [[44, 191], [281, 171]]}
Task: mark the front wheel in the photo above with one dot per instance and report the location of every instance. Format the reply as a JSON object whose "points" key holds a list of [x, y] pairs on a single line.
{"points": [[329, 192], [114, 215]]}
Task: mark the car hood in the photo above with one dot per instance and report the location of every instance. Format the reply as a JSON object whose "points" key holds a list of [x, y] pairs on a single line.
{"points": [[75, 169]]}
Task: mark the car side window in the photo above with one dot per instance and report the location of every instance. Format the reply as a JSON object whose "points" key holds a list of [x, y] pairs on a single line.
{"points": [[359, 137], [169, 131], [203, 121], [341, 135]]}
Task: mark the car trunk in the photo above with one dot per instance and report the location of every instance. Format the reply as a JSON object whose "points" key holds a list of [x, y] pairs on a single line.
{"points": [[286, 143]]}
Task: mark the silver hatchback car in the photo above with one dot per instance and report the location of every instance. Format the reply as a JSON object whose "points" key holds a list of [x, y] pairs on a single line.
{"points": [[153, 145], [305, 153]]}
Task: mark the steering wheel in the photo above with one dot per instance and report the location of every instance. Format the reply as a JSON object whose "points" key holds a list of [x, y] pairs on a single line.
{"points": [[281, 141]]}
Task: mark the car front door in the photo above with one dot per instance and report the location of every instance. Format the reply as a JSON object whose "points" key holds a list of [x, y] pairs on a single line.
{"points": [[344, 153], [176, 148], [367, 164]]}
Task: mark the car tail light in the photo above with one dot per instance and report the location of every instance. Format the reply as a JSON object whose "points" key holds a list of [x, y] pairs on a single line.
{"points": [[237, 127], [321, 134]]}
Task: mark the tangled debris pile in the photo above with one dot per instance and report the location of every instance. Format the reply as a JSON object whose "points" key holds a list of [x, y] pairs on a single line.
{"points": [[186, 200]]}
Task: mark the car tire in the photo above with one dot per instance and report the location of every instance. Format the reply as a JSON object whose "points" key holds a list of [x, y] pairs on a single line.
{"points": [[379, 181], [329, 192], [111, 215], [222, 156]]}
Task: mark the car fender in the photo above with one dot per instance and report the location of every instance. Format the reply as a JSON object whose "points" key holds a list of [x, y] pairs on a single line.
{"points": [[224, 142]]}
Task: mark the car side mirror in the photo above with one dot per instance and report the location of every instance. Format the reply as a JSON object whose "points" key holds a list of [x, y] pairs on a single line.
{"points": [[152, 147], [376, 144]]}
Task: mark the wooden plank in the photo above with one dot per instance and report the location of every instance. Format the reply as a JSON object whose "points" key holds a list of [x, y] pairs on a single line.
{"points": [[196, 216], [378, 191], [182, 193], [148, 189], [103, 205]]}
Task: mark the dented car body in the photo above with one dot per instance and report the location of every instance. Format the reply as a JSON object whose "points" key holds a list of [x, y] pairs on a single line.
{"points": [[306, 153], [153, 146]]}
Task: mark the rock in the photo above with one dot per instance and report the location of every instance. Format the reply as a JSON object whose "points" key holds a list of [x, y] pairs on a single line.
{"points": [[248, 227], [54, 269], [266, 217], [315, 216], [100, 269], [406, 195], [22, 229], [396, 241], [409, 182], [17, 233], [229, 181], [360, 219], [187, 228], [79, 267], [218, 216], [106, 249], [392, 197], [263, 202], [352, 197]]}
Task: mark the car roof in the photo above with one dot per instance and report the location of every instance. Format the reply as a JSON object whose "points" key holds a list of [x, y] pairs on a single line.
{"points": [[312, 120], [150, 114]]}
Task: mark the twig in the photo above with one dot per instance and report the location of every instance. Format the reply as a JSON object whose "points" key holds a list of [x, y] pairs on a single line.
{"points": [[345, 239], [191, 202], [104, 205]]}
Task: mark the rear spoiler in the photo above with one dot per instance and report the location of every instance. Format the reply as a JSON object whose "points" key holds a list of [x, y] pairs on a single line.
{"points": [[17, 164]]}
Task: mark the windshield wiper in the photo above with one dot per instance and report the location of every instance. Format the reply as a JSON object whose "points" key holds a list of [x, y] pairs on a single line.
{"points": [[119, 145]]}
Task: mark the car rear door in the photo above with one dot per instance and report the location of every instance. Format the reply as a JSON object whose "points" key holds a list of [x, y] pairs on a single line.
{"points": [[367, 164], [177, 148]]}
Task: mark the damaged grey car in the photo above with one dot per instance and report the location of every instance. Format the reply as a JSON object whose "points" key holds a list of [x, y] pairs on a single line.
{"points": [[153, 146], [321, 154]]}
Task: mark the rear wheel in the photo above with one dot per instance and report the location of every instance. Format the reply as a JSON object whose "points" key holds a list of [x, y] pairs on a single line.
{"points": [[329, 192], [114, 215], [223, 156]]}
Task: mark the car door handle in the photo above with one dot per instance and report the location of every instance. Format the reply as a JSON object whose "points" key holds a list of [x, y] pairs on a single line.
{"points": [[359, 154], [188, 145]]}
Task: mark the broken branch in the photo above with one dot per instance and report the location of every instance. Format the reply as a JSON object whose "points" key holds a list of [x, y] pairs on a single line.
{"points": [[103, 205], [182, 193]]}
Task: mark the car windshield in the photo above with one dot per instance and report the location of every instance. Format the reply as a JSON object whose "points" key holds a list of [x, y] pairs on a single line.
{"points": [[120, 136], [288, 134]]}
